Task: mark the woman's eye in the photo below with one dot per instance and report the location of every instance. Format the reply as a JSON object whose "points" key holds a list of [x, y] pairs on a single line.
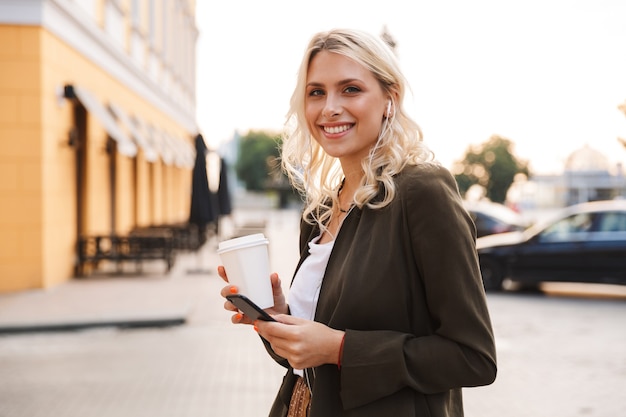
{"points": [[316, 92], [352, 89]]}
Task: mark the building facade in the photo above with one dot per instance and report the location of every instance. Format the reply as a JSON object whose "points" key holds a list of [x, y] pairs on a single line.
{"points": [[97, 120], [587, 176]]}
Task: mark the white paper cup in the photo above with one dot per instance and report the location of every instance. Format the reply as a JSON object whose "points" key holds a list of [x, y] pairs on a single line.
{"points": [[246, 260]]}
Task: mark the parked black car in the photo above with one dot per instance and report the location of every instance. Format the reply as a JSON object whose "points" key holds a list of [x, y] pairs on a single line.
{"points": [[491, 218], [583, 243]]}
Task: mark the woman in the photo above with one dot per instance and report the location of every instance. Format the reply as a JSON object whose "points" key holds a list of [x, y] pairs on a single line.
{"points": [[387, 314]]}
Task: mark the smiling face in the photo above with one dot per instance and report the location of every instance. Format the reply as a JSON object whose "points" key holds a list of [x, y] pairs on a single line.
{"points": [[345, 106]]}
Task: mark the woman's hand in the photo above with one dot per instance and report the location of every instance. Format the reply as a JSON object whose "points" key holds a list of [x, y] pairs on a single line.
{"points": [[304, 343], [280, 303]]}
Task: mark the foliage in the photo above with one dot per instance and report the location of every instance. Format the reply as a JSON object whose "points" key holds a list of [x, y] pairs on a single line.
{"points": [[491, 165], [257, 162]]}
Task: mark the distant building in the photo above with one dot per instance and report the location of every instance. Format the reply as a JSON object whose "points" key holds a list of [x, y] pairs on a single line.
{"points": [[587, 176], [97, 119]]}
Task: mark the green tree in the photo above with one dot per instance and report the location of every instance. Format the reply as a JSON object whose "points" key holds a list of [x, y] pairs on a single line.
{"points": [[258, 153], [492, 165]]}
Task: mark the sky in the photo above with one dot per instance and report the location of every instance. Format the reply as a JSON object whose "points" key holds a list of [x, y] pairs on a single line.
{"points": [[546, 74]]}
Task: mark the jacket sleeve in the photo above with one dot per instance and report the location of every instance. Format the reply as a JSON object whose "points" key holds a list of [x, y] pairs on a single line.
{"points": [[458, 349]]}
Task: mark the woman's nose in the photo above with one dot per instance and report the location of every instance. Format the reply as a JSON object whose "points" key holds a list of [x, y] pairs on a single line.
{"points": [[332, 108]]}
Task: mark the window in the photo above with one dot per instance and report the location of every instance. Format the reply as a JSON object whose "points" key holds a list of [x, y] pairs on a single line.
{"points": [[114, 22], [572, 228], [89, 6], [613, 221]]}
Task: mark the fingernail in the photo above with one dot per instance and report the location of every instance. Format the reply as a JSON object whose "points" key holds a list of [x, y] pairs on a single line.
{"points": [[254, 325], [233, 290], [256, 329], [238, 316]]}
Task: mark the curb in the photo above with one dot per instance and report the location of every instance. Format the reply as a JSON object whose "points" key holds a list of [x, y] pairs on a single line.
{"points": [[70, 327]]}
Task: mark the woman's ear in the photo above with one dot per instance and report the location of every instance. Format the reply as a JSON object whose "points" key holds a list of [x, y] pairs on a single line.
{"points": [[392, 102]]}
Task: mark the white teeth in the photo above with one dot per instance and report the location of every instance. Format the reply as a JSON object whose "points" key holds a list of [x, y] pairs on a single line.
{"points": [[336, 129]]}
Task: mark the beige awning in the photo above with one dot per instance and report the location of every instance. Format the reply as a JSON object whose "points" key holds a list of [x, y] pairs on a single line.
{"points": [[153, 136], [125, 145], [184, 153], [136, 133], [167, 153]]}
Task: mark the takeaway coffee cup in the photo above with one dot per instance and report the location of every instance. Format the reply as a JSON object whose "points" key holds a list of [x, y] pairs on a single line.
{"points": [[246, 260]]}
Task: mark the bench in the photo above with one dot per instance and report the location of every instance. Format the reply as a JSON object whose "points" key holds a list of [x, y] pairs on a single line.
{"points": [[92, 250], [185, 236]]}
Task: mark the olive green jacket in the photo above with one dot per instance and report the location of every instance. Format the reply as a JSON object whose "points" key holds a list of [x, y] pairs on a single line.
{"points": [[405, 285]]}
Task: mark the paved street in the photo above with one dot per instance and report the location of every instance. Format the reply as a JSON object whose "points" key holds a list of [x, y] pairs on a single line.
{"points": [[561, 354]]}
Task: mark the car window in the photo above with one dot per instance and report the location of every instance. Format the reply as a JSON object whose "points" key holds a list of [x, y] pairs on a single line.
{"points": [[612, 221], [573, 228], [611, 226]]}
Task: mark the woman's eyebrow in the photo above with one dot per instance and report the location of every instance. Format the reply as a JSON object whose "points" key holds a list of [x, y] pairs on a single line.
{"points": [[314, 84], [340, 82]]}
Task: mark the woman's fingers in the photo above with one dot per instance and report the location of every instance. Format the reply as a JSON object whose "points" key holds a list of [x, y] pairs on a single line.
{"points": [[276, 284], [222, 273], [229, 289], [230, 306], [240, 318], [304, 343]]}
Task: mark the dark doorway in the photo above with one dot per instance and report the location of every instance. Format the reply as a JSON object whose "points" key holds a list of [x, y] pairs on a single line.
{"points": [[78, 139]]}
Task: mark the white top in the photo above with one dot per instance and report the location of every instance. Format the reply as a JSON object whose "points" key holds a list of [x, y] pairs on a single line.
{"points": [[305, 289]]}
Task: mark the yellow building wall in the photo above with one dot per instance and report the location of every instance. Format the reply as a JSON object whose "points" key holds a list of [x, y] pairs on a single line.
{"points": [[37, 164], [157, 199], [143, 187], [21, 204], [126, 200], [58, 163]]}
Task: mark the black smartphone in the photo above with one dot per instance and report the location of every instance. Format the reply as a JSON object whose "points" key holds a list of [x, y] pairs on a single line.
{"points": [[248, 307]]}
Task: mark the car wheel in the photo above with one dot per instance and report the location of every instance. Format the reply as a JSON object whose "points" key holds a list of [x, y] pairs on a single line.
{"points": [[492, 273]]}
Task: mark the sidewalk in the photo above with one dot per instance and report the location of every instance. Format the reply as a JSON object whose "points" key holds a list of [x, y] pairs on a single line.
{"points": [[151, 299], [209, 367], [104, 299]]}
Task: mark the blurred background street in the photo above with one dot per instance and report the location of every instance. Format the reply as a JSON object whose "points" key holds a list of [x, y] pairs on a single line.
{"points": [[560, 352]]}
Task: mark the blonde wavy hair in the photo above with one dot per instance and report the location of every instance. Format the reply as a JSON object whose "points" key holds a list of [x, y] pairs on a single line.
{"points": [[317, 175]]}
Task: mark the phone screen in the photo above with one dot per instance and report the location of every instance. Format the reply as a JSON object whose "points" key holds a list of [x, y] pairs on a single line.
{"points": [[248, 307]]}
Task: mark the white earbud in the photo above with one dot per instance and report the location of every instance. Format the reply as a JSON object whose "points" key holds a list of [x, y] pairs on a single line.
{"points": [[388, 108]]}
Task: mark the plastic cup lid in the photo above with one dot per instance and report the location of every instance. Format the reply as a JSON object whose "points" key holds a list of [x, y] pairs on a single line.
{"points": [[243, 241]]}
